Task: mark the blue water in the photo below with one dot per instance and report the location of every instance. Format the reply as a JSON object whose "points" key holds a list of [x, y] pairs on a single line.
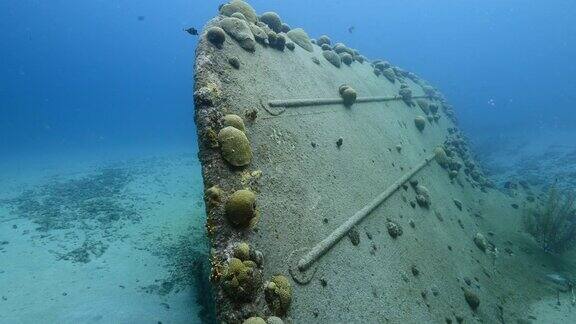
{"points": [[93, 75], [87, 79]]}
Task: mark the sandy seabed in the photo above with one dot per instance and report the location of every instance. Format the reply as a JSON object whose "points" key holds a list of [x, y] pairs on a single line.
{"points": [[94, 241]]}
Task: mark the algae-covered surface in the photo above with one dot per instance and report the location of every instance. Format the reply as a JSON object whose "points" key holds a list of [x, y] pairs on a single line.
{"points": [[445, 247], [124, 240]]}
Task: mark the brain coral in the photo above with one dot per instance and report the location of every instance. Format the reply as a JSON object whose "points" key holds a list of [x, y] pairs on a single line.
{"points": [[240, 31], [272, 20], [241, 208], [239, 6], [235, 146], [299, 36], [332, 57]]}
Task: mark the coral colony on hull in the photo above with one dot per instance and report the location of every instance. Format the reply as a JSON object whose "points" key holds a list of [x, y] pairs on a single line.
{"points": [[270, 105]]}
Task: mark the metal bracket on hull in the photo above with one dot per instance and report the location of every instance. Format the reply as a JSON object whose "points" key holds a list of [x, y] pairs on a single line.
{"points": [[301, 277], [302, 268], [295, 103]]}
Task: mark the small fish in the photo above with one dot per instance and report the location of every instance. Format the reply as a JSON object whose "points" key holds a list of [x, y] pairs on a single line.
{"points": [[351, 29], [141, 18], [192, 31]]}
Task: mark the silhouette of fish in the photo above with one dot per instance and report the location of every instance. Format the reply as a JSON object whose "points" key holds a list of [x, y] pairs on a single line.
{"points": [[351, 29], [192, 31]]}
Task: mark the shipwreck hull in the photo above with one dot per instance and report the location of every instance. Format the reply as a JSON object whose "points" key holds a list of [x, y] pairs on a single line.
{"points": [[339, 212]]}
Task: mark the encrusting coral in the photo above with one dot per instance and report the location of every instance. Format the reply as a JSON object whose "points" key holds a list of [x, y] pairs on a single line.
{"points": [[239, 16], [300, 37], [254, 320], [424, 105], [389, 74], [332, 57], [274, 320], [480, 242], [323, 40], [420, 122], [406, 95], [240, 31], [394, 229], [214, 195], [441, 157], [259, 34], [381, 65], [429, 90], [346, 58], [241, 208], [472, 299], [234, 62], [242, 251], [341, 48], [348, 94], [234, 146], [238, 6], [278, 293], [275, 40], [422, 196], [272, 20], [216, 36], [234, 121], [241, 280]]}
